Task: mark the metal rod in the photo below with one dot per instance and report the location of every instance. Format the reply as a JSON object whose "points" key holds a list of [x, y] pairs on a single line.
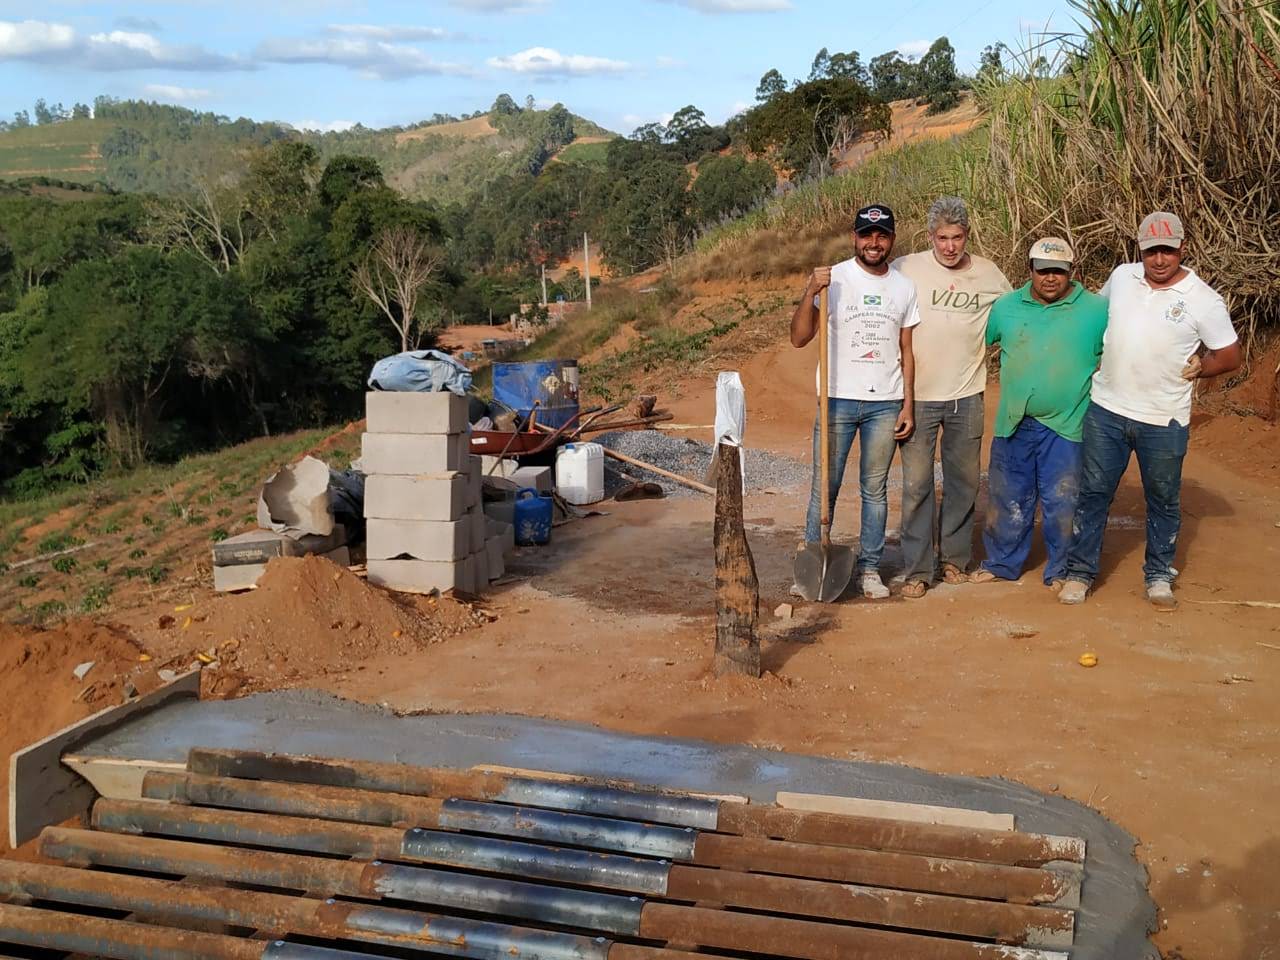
{"points": [[940, 840], [118, 939], [812, 940], [1000, 921], [937, 840], [278, 915], [746, 854]]}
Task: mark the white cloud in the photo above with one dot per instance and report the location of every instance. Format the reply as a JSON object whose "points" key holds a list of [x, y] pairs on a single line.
{"points": [[324, 126], [544, 61], [500, 6], [58, 43], [373, 58], [914, 48], [733, 6], [167, 91], [373, 31]]}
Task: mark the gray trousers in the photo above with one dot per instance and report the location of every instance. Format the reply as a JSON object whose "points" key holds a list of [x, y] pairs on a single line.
{"points": [[925, 543]]}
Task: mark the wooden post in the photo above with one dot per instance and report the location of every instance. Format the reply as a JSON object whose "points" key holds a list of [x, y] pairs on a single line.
{"points": [[737, 589], [586, 266]]}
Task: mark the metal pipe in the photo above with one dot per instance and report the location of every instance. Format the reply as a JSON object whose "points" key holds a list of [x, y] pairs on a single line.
{"points": [[603, 912], [745, 854], [279, 915], [627, 804], [811, 940], [938, 840], [486, 854], [879, 868], [118, 939], [956, 915], [931, 839]]}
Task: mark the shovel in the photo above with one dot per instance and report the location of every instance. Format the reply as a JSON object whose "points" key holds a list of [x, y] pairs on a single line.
{"points": [[823, 571]]}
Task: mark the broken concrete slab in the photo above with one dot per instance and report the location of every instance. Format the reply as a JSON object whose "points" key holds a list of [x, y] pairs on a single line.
{"points": [[262, 546], [295, 499]]}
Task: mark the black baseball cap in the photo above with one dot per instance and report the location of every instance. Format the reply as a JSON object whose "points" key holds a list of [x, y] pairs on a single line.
{"points": [[875, 217]]}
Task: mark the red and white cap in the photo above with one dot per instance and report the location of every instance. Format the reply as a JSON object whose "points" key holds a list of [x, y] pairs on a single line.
{"points": [[1160, 229]]}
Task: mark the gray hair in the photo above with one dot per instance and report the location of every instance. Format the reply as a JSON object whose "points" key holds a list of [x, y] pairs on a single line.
{"points": [[948, 211]]}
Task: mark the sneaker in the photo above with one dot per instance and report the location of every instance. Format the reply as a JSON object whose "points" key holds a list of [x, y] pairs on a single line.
{"points": [[914, 589], [1160, 595], [872, 586], [1073, 591], [982, 575]]}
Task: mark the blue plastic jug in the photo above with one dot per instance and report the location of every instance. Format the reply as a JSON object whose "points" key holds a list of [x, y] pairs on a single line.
{"points": [[533, 517]]}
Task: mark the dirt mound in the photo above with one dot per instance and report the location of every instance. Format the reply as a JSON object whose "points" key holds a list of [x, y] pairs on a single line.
{"points": [[308, 617], [40, 690]]}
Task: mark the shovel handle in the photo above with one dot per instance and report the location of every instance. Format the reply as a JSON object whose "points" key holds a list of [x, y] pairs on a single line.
{"points": [[823, 406]]}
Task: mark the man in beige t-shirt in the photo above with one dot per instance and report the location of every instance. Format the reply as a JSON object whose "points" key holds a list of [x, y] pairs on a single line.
{"points": [[955, 290]]}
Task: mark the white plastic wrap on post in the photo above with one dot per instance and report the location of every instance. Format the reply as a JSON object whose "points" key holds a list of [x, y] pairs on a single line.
{"points": [[731, 417]]}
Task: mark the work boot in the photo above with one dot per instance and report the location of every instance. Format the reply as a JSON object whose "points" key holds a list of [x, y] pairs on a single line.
{"points": [[1160, 595], [872, 586], [1073, 591]]}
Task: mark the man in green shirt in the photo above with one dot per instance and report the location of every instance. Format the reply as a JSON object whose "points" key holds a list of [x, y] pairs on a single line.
{"points": [[1050, 335]]}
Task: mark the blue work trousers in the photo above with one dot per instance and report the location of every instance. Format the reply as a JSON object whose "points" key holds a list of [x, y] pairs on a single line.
{"points": [[874, 420], [1032, 465], [1109, 441]]}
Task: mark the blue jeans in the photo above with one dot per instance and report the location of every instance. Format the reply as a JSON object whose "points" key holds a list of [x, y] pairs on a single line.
{"points": [[925, 542], [875, 420], [1033, 464], [1109, 440]]}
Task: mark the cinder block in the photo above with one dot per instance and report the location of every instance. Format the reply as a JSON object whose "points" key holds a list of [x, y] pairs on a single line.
{"points": [[257, 547], [504, 510], [441, 498], [505, 532], [542, 479], [412, 454], [394, 412], [475, 480], [245, 576], [478, 529], [419, 539], [422, 576], [480, 571], [494, 552]]}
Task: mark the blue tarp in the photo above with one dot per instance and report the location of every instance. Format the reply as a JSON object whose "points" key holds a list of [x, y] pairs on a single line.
{"points": [[420, 371]]}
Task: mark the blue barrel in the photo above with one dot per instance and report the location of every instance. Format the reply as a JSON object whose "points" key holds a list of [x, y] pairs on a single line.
{"points": [[533, 516], [552, 382]]}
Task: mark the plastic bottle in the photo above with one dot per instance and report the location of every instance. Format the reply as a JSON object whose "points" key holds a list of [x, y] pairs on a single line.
{"points": [[533, 511], [580, 472]]}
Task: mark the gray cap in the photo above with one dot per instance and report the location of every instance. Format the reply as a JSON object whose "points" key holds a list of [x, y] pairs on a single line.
{"points": [[1160, 229]]}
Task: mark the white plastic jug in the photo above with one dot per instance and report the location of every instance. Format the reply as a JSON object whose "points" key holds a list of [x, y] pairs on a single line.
{"points": [[580, 472]]}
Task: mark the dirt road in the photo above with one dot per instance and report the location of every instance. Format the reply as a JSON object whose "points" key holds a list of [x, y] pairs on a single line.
{"points": [[1174, 734]]}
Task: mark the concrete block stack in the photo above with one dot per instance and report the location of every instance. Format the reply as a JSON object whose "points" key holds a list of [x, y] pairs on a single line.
{"points": [[426, 528]]}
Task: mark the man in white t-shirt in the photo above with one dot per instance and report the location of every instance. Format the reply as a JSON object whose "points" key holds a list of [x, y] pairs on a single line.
{"points": [[1159, 316], [871, 378]]}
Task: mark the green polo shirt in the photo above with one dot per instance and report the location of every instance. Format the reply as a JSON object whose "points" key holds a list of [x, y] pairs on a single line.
{"points": [[1048, 354]]}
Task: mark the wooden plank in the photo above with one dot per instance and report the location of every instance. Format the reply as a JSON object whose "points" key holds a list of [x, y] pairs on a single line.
{"points": [[894, 810], [44, 792], [118, 778], [574, 778], [737, 649]]}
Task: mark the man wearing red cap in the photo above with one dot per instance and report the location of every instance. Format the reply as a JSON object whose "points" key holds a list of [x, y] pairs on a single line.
{"points": [[1160, 316]]}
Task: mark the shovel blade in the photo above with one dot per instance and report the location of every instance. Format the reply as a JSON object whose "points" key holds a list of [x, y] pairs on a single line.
{"points": [[823, 574]]}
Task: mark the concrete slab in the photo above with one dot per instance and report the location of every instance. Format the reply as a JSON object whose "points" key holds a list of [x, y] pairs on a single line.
{"points": [[1115, 914]]}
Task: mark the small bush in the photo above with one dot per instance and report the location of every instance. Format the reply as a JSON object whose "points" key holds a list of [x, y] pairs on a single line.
{"points": [[157, 573], [137, 553], [30, 581], [218, 534], [48, 610], [197, 519], [101, 564], [225, 512], [63, 564], [58, 541], [96, 598], [132, 573]]}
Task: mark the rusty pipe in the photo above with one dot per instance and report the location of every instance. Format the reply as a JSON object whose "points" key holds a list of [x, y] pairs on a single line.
{"points": [[963, 843], [746, 854], [1007, 923]]}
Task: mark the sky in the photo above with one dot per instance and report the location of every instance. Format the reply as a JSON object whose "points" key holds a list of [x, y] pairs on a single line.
{"points": [[324, 64]]}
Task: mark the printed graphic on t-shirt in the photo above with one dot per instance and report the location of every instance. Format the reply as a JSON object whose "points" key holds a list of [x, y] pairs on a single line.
{"points": [[952, 300]]}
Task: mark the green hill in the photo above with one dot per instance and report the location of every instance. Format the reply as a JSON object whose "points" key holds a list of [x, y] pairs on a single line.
{"points": [[148, 147]]}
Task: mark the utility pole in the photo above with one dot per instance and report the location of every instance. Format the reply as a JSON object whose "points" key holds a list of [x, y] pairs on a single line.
{"points": [[544, 283], [586, 263]]}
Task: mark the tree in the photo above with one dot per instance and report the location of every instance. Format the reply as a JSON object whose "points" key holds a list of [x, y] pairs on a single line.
{"points": [[848, 66], [394, 275], [21, 119], [652, 133], [771, 84], [529, 102], [990, 63], [729, 184], [346, 174], [821, 65], [891, 76], [80, 111], [281, 182], [504, 106], [685, 123], [43, 114], [939, 80]]}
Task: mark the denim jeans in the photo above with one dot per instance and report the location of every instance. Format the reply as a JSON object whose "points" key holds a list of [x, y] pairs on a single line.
{"points": [[1033, 465], [875, 420], [961, 423], [1109, 440]]}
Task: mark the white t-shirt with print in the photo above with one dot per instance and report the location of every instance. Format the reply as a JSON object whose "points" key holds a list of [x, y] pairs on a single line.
{"points": [[1151, 334], [866, 316]]}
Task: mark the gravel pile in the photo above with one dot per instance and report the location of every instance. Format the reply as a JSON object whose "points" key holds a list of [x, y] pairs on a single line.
{"points": [[691, 458]]}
